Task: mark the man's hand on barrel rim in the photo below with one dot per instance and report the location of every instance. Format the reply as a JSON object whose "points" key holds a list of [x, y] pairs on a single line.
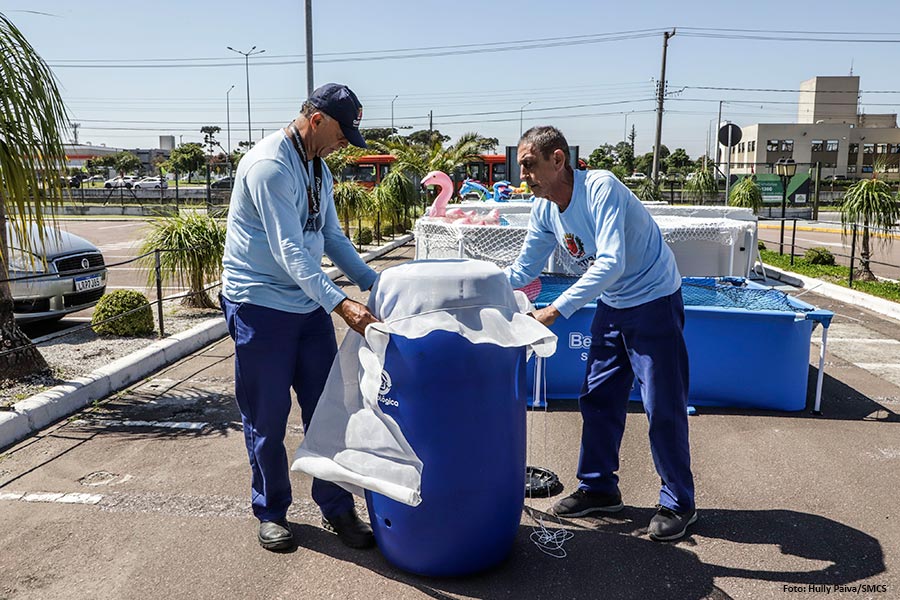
{"points": [[356, 315]]}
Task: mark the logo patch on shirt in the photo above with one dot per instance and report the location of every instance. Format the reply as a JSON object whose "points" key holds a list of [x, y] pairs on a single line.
{"points": [[574, 245]]}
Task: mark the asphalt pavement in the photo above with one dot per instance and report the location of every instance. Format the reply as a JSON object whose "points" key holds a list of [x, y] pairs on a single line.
{"points": [[146, 495]]}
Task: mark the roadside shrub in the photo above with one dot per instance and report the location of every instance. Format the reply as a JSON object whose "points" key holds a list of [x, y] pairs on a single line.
{"points": [[119, 302], [760, 245], [363, 236], [819, 256], [387, 229]]}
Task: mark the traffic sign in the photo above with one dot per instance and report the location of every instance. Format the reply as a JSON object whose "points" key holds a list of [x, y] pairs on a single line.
{"points": [[735, 134]]}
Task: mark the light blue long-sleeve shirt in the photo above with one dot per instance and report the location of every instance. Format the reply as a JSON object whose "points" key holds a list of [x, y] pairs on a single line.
{"points": [[273, 257], [607, 229]]}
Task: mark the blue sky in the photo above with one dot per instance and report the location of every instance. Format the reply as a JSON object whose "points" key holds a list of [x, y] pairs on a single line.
{"points": [[606, 84]]}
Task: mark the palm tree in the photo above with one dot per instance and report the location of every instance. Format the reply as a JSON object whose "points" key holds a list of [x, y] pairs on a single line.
{"points": [[871, 203], [702, 185], [32, 121], [350, 199], [746, 193], [414, 160], [394, 194], [349, 196], [192, 247]]}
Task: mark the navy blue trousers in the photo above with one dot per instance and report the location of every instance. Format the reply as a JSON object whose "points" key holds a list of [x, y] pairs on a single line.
{"points": [[274, 352], [646, 342]]}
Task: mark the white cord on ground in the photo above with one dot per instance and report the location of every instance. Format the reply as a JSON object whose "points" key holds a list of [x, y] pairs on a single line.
{"points": [[548, 541]]}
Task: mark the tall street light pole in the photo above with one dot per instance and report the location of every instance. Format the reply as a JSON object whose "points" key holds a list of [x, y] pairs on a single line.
{"points": [[625, 135], [785, 168], [228, 121], [521, 111], [247, 56], [392, 113]]}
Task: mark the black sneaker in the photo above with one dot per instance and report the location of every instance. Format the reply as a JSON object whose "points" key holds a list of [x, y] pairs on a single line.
{"points": [[352, 531], [582, 503], [275, 535], [667, 525]]}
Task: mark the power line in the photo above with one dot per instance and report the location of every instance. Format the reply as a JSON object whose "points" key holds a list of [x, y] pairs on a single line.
{"points": [[775, 38], [360, 56], [788, 31], [584, 37], [790, 102], [740, 89]]}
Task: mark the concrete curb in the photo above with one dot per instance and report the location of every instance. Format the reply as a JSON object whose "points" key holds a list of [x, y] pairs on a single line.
{"points": [[881, 306], [32, 414], [40, 410]]}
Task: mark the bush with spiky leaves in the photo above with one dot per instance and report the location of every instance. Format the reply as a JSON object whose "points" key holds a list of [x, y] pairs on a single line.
{"points": [[701, 186], [746, 193], [193, 245], [648, 191]]}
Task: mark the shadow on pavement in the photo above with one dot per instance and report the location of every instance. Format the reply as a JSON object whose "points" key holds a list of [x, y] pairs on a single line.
{"points": [[615, 559], [839, 402]]}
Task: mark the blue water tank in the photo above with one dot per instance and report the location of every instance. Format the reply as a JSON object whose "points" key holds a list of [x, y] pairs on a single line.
{"points": [[461, 406]]}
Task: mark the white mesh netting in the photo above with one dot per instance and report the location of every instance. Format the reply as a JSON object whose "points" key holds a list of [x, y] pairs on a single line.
{"points": [[713, 212], [500, 244], [727, 232]]}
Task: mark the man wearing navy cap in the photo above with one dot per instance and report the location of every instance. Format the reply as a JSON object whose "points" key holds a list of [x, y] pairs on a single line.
{"points": [[277, 301]]}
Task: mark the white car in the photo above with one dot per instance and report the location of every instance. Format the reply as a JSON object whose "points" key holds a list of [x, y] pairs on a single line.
{"points": [[63, 274], [636, 177], [126, 182], [151, 183]]}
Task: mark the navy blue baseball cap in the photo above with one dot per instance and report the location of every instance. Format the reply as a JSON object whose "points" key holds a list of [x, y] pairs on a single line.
{"points": [[341, 104]]}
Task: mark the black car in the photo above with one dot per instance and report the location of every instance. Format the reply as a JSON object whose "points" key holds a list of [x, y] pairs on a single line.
{"points": [[226, 183]]}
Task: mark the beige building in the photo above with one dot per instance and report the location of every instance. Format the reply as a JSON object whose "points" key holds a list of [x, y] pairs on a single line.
{"points": [[829, 130]]}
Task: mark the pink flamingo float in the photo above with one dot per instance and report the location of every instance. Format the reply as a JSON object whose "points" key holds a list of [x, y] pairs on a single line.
{"points": [[456, 216]]}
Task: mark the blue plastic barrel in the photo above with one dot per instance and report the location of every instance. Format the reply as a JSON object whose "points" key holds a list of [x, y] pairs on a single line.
{"points": [[461, 406]]}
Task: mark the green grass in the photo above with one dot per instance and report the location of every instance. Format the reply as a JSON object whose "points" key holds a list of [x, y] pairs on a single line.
{"points": [[836, 274]]}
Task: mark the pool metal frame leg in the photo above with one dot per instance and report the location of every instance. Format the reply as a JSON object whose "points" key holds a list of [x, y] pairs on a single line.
{"points": [[817, 408]]}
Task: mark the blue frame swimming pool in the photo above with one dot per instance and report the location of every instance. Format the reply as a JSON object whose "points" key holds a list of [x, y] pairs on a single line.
{"points": [[748, 345]]}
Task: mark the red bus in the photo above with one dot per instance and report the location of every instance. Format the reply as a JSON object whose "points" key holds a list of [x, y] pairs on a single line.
{"points": [[370, 169]]}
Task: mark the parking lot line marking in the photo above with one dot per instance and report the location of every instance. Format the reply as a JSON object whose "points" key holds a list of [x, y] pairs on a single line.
{"points": [[58, 497], [871, 341]]}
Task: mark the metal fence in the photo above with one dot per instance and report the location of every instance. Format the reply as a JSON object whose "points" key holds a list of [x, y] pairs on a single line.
{"points": [[158, 302], [891, 271]]}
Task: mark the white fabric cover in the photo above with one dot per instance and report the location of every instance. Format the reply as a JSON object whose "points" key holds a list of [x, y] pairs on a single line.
{"points": [[351, 441]]}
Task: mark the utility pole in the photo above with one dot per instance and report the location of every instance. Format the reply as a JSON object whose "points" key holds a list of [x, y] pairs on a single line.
{"points": [[228, 121], [430, 123], [659, 106], [75, 127], [716, 140], [309, 50]]}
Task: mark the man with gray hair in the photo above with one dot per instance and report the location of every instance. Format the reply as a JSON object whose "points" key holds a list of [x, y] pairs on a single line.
{"points": [[636, 331], [278, 302]]}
